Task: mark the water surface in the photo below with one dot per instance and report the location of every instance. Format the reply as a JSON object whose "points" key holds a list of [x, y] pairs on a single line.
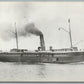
{"points": [[41, 72]]}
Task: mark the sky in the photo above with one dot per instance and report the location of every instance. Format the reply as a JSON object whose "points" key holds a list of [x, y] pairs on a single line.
{"points": [[48, 17]]}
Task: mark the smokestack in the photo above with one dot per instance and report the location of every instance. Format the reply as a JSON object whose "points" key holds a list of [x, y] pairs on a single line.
{"points": [[42, 43]]}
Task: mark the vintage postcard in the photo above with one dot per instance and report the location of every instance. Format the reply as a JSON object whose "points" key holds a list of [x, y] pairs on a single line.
{"points": [[42, 41]]}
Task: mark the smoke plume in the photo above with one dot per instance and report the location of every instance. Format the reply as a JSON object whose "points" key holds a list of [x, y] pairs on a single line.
{"points": [[29, 29], [26, 30]]}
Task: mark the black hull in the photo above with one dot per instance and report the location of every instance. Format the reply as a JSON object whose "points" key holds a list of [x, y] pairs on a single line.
{"points": [[43, 57]]}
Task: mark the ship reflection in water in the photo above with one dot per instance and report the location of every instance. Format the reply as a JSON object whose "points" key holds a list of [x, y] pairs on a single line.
{"points": [[41, 72]]}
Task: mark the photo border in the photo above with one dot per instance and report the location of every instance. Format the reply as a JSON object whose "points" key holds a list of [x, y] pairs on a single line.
{"points": [[41, 82]]}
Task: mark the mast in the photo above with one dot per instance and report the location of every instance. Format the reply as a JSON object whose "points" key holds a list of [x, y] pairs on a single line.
{"points": [[70, 33], [16, 36]]}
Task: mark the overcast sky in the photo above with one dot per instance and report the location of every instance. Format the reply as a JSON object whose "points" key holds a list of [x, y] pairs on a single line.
{"points": [[47, 17]]}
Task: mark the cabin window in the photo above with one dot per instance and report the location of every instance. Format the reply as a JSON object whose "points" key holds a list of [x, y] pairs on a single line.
{"points": [[52, 55], [57, 59]]}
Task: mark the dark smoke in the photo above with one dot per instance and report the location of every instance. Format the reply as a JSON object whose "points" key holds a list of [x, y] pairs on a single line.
{"points": [[29, 29]]}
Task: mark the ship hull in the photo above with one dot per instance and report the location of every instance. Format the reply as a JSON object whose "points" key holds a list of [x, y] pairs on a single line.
{"points": [[43, 57]]}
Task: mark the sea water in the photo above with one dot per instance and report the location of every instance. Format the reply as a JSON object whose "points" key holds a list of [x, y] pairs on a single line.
{"points": [[41, 72]]}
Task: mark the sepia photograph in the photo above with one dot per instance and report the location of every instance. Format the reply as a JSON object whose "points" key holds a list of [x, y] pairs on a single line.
{"points": [[41, 41]]}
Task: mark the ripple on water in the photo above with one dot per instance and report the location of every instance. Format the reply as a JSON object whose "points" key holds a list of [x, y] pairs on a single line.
{"points": [[41, 72]]}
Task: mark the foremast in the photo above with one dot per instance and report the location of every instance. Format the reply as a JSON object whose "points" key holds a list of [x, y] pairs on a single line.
{"points": [[16, 36]]}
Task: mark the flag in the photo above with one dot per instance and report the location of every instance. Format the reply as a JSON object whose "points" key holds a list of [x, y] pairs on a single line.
{"points": [[69, 20]]}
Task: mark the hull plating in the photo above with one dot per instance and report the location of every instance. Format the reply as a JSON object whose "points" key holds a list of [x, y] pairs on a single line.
{"points": [[43, 57]]}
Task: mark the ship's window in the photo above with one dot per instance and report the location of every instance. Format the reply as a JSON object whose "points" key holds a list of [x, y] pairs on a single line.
{"points": [[52, 55], [57, 59]]}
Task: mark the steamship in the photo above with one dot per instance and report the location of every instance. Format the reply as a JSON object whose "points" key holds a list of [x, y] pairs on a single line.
{"points": [[41, 55]]}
